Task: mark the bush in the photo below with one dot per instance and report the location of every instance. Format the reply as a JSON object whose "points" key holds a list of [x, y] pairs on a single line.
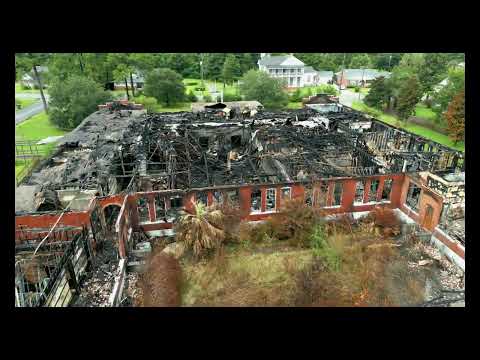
{"points": [[357, 89], [166, 86], [207, 98], [149, 103], [232, 97], [296, 96], [191, 96], [322, 248], [326, 89], [161, 281], [73, 99]]}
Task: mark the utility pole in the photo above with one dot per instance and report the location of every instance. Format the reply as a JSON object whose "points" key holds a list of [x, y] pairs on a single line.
{"points": [[40, 86], [389, 60], [201, 66]]}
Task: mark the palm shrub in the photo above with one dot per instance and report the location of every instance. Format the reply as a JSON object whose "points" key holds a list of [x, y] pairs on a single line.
{"points": [[201, 231]]}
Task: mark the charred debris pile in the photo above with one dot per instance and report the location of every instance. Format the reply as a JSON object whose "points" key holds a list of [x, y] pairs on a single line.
{"points": [[115, 150]]}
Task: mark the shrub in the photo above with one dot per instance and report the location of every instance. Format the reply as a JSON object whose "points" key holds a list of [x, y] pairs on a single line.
{"points": [[296, 96], [232, 97], [160, 284], [326, 89], [207, 98], [357, 89], [150, 103], [323, 249], [191, 96]]}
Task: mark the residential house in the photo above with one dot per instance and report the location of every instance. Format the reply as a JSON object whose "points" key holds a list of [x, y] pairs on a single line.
{"points": [[358, 77], [138, 82], [293, 71], [28, 80]]}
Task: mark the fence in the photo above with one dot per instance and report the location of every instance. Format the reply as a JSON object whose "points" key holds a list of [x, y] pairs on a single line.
{"points": [[52, 276]]}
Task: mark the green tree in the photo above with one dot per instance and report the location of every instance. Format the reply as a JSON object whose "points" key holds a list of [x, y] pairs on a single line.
{"points": [[166, 86], [258, 85], [231, 67], [73, 99], [31, 61], [213, 65], [455, 117], [379, 94], [433, 70], [386, 61], [408, 97], [121, 73], [455, 83], [360, 61]]}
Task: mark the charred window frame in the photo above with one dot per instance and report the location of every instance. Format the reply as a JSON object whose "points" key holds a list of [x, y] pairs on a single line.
{"points": [[233, 197], [285, 193], [308, 195], [323, 194], [256, 201], [337, 193], [202, 197], [271, 200], [217, 197], [142, 208], [372, 195], [359, 192], [413, 196], [160, 209], [387, 189]]}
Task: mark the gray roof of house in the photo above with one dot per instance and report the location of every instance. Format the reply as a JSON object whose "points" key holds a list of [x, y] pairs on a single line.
{"points": [[275, 60], [359, 74], [309, 69], [326, 74]]}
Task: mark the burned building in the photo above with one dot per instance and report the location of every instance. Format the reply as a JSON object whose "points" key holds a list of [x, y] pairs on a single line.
{"points": [[123, 174]]}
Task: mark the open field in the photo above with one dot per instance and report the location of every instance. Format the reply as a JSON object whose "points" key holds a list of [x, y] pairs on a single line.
{"points": [[24, 103]]}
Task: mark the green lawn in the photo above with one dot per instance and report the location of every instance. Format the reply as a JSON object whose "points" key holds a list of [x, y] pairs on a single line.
{"points": [[19, 89], [416, 129], [364, 90], [37, 127], [424, 112], [294, 105], [24, 103]]}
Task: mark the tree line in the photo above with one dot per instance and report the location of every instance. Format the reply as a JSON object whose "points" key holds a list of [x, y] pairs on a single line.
{"points": [[436, 79]]}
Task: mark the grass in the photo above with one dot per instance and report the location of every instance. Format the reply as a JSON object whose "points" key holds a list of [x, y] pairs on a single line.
{"points": [[294, 105], [37, 127], [19, 89], [416, 129], [424, 112], [364, 90]]}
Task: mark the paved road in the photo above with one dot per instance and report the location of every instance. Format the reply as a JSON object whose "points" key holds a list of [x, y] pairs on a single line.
{"points": [[28, 112], [348, 96]]}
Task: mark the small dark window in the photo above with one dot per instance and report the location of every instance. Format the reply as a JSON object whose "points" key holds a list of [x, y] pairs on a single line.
{"points": [[413, 196], [337, 193], [218, 197], [203, 140], [271, 199], [142, 206], [176, 202], [359, 192], [233, 197], [202, 197], [387, 188], [236, 141], [160, 211], [372, 195], [308, 195], [256, 201]]}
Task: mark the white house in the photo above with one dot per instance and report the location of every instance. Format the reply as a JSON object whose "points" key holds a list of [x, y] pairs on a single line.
{"points": [[28, 79], [292, 70]]}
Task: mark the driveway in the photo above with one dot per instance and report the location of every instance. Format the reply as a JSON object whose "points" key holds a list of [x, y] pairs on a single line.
{"points": [[347, 97], [28, 112]]}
